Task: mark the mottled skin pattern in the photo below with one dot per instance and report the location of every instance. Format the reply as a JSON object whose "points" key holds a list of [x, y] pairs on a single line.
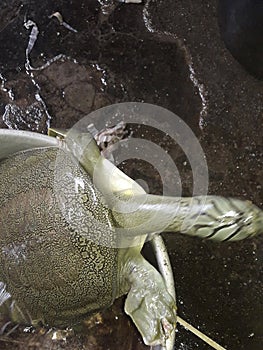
{"points": [[48, 266], [57, 258]]}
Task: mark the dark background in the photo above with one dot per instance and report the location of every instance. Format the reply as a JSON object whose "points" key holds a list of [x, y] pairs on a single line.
{"points": [[168, 53]]}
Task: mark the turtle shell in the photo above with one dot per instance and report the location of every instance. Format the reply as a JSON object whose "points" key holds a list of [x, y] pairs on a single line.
{"points": [[56, 256]]}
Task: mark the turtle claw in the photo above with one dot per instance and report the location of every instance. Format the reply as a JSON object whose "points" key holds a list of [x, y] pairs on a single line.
{"points": [[150, 306]]}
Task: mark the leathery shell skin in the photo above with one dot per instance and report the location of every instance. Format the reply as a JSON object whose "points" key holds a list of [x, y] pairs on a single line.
{"points": [[55, 274]]}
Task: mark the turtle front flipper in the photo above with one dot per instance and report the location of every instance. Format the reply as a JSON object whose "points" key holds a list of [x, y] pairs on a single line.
{"points": [[209, 217], [148, 303]]}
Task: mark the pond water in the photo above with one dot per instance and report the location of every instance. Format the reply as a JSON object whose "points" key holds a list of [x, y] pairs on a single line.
{"points": [[167, 53]]}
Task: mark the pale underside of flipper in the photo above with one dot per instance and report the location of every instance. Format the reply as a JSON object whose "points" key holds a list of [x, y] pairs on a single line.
{"points": [[148, 303]]}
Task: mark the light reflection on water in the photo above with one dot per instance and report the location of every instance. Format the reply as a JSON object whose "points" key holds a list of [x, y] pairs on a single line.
{"points": [[34, 118]]}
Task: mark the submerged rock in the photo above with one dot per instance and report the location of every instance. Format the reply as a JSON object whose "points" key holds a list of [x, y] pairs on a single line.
{"points": [[241, 25]]}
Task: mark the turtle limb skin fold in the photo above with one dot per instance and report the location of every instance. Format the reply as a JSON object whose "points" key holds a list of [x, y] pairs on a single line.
{"points": [[148, 303]]}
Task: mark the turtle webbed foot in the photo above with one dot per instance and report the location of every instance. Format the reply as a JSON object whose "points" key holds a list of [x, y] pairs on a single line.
{"points": [[150, 306]]}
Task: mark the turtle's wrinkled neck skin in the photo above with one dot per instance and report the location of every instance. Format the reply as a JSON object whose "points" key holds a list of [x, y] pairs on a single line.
{"points": [[84, 148], [53, 272]]}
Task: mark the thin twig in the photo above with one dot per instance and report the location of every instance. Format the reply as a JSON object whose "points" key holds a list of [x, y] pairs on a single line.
{"points": [[199, 334]]}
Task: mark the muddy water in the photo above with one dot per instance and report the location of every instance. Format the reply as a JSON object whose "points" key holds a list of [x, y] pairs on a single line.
{"points": [[168, 53]]}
